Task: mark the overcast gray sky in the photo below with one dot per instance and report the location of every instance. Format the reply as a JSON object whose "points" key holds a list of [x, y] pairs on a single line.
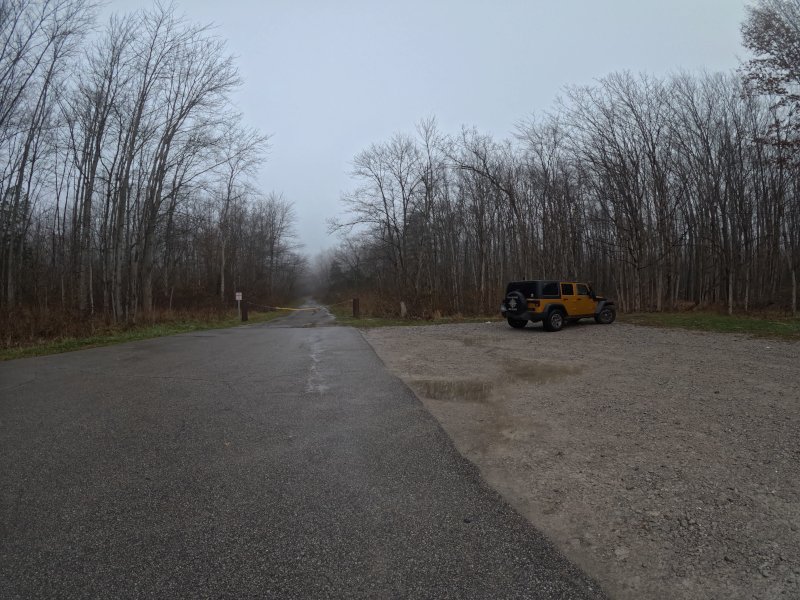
{"points": [[327, 78]]}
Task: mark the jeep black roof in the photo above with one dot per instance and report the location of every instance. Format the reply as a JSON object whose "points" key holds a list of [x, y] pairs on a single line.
{"points": [[533, 288]]}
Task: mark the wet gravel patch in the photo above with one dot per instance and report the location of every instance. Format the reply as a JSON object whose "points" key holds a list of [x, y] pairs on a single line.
{"points": [[666, 463]]}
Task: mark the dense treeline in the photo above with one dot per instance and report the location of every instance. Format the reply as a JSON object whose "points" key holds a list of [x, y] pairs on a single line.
{"points": [[659, 191], [126, 176]]}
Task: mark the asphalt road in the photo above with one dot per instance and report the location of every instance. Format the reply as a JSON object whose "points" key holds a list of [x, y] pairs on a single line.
{"points": [[278, 461]]}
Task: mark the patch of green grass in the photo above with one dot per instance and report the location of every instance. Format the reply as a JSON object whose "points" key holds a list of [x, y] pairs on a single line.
{"points": [[117, 335], [762, 326]]}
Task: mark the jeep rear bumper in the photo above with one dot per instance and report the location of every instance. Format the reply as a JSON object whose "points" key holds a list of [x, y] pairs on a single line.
{"points": [[528, 315]]}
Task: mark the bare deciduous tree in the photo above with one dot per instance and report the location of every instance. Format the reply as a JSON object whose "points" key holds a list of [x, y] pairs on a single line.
{"points": [[124, 170]]}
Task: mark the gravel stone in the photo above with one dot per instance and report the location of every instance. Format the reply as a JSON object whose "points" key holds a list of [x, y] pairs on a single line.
{"points": [[628, 422]]}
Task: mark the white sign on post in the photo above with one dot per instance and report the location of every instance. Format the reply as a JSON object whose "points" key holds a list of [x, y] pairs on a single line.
{"points": [[238, 296]]}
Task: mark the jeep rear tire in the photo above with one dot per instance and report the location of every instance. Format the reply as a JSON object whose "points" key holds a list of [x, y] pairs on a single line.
{"points": [[606, 315], [517, 323], [554, 321]]}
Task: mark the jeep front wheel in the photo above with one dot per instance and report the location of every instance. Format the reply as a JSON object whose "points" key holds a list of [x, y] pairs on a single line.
{"points": [[517, 323], [606, 316], [554, 321]]}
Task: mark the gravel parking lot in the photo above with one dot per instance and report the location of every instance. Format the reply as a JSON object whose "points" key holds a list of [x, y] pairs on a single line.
{"points": [[666, 463]]}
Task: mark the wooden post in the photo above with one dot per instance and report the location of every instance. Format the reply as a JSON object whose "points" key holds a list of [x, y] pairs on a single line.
{"points": [[356, 309], [244, 310]]}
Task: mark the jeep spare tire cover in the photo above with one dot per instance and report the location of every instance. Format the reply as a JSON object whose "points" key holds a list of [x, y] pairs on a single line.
{"points": [[516, 303]]}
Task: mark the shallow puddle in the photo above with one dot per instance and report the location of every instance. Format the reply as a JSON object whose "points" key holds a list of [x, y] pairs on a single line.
{"points": [[537, 372], [463, 390]]}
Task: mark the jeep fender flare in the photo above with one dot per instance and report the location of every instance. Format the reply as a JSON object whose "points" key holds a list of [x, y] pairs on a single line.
{"points": [[552, 307], [602, 304]]}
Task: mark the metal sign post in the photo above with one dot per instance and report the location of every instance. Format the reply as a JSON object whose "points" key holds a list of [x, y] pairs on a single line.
{"points": [[239, 304]]}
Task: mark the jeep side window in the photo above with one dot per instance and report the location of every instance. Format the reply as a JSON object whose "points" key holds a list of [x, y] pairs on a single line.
{"points": [[583, 290], [550, 289], [566, 289]]}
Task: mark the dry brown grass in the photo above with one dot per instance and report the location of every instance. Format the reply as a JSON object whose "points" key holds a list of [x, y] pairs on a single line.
{"points": [[22, 327]]}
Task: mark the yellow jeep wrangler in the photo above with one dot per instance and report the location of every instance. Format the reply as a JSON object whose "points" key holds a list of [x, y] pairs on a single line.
{"points": [[554, 303]]}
